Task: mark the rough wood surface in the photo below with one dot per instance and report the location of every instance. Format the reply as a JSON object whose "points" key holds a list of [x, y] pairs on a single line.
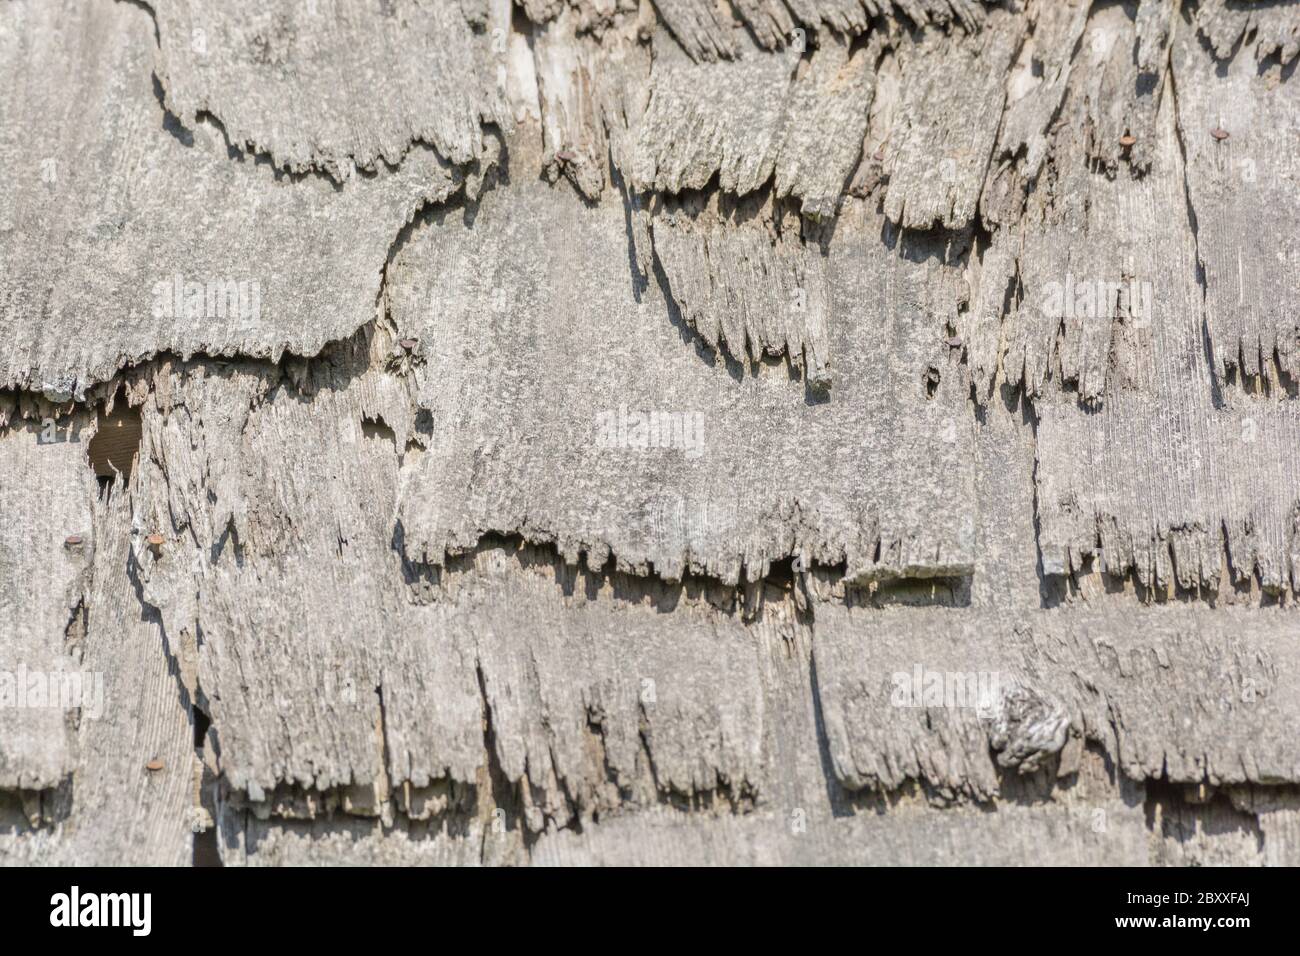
{"points": [[102, 217], [45, 550], [105, 764], [1181, 697], [953, 91], [1238, 131], [303, 82], [597, 431], [638, 443]]}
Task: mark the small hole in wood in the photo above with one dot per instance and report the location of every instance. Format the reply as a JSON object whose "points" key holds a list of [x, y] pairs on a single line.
{"points": [[116, 442]]}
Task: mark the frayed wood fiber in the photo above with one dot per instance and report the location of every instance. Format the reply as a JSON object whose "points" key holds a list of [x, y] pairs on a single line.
{"points": [[608, 432]]}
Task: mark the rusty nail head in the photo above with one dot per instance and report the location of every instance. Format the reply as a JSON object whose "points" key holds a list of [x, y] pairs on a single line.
{"points": [[1126, 140], [155, 540], [72, 540], [1219, 133], [154, 765], [409, 344]]}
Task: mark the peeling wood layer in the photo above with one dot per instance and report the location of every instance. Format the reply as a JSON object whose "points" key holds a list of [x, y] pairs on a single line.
{"points": [[645, 463], [764, 116], [298, 81], [709, 31], [1165, 478], [953, 90], [1178, 496], [748, 290], [188, 248], [1270, 28], [667, 432], [1186, 701], [1237, 127]]}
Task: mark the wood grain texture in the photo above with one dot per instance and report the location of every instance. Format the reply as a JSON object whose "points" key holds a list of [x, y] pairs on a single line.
{"points": [[1184, 702], [755, 432], [301, 81], [43, 578], [953, 91], [666, 488], [119, 707], [136, 206], [1249, 176]]}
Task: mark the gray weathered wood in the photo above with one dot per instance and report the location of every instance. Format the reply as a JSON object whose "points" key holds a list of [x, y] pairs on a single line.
{"points": [[641, 397]]}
